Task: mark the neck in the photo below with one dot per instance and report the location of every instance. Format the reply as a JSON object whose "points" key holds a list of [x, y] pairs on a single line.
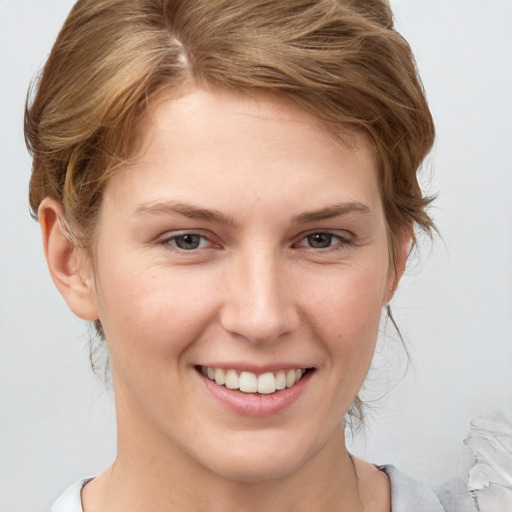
{"points": [[170, 491], [150, 481], [152, 473]]}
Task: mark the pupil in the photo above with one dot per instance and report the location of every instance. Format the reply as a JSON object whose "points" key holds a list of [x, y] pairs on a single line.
{"points": [[320, 240], [188, 242]]}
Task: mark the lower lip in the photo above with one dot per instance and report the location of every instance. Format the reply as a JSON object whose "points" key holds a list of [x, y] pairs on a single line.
{"points": [[257, 405]]}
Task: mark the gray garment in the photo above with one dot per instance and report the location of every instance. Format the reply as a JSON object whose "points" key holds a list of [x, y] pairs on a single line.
{"points": [[406, 495], [409, 496]]}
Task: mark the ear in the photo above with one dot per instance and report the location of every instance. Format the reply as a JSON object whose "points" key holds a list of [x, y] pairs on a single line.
{"points": [[64, 262], [398, 263]]}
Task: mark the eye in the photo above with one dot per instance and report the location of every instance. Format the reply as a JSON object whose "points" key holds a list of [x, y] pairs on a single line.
{"points": [[322, 240], [188, 241]]}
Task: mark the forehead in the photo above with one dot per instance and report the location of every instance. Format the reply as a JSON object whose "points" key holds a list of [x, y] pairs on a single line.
{"points": [[194, 110], [204, 141]]}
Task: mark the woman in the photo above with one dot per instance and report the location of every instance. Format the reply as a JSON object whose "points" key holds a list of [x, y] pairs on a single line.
{"points": [[228, 191]]}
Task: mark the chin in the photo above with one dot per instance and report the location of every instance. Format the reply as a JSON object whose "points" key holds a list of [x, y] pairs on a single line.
{"points": [[257, 470], [261, 460]]}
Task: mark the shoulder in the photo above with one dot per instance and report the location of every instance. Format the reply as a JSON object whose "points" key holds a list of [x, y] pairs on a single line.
{"points": [[407, 495], [70, 500]]}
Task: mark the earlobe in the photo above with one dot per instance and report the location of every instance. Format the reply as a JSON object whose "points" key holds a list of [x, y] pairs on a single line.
{"points": [[63, 258], [398, 264]]}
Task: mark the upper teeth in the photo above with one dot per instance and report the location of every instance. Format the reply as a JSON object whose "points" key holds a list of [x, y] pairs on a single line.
{"points": [[249, 382]]}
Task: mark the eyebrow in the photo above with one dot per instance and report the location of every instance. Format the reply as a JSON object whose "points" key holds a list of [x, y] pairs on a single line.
{"points": [[336, 210], [187, 210], [194, 212]]}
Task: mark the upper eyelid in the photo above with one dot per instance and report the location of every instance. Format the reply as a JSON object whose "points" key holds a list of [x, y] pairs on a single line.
{"points": [[168, 235], [341, 242], [343, 234], [167, 238], [340, 233]]}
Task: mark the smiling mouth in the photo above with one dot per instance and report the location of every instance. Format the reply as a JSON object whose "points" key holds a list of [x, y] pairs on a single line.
{"points": [[248, 382]]}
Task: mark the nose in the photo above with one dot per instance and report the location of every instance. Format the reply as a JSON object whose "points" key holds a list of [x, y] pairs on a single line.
{"points": [[259, 304]]}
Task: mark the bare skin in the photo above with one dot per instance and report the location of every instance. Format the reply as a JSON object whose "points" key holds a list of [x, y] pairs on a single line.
{"points": [[374, 488], [373, 495], [243, 238]]}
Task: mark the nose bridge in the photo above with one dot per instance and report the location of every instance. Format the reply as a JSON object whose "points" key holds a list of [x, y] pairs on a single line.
{"points": [[259, 306]]}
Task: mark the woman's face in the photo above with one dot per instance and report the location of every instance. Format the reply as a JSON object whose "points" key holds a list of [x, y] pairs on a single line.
{"points": [[244, 246]]}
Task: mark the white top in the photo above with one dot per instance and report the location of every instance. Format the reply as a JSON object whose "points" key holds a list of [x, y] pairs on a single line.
{"points": [[406, 495]]}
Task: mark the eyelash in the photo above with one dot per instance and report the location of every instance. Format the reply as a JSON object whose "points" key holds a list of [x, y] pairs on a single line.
{"points": [[171, 240], [205, 243], [341, 241]]}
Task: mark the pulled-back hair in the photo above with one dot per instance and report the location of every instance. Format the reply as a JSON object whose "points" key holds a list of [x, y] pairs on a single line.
{"points": [[341, 60]]}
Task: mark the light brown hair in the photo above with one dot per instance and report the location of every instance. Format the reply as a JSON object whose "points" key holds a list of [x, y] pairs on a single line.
{"points": [[341, 60]]}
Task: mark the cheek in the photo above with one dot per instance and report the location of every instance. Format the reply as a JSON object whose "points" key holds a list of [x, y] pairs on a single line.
{"points": [[154, 313], [345, 311]]}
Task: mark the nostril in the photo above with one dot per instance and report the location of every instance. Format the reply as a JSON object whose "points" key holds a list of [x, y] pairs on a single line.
{"points": [[258, 325], [257, 304]]}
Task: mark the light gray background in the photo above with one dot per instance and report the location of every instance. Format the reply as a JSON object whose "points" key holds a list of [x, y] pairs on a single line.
{"points": [[455, 305]]}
